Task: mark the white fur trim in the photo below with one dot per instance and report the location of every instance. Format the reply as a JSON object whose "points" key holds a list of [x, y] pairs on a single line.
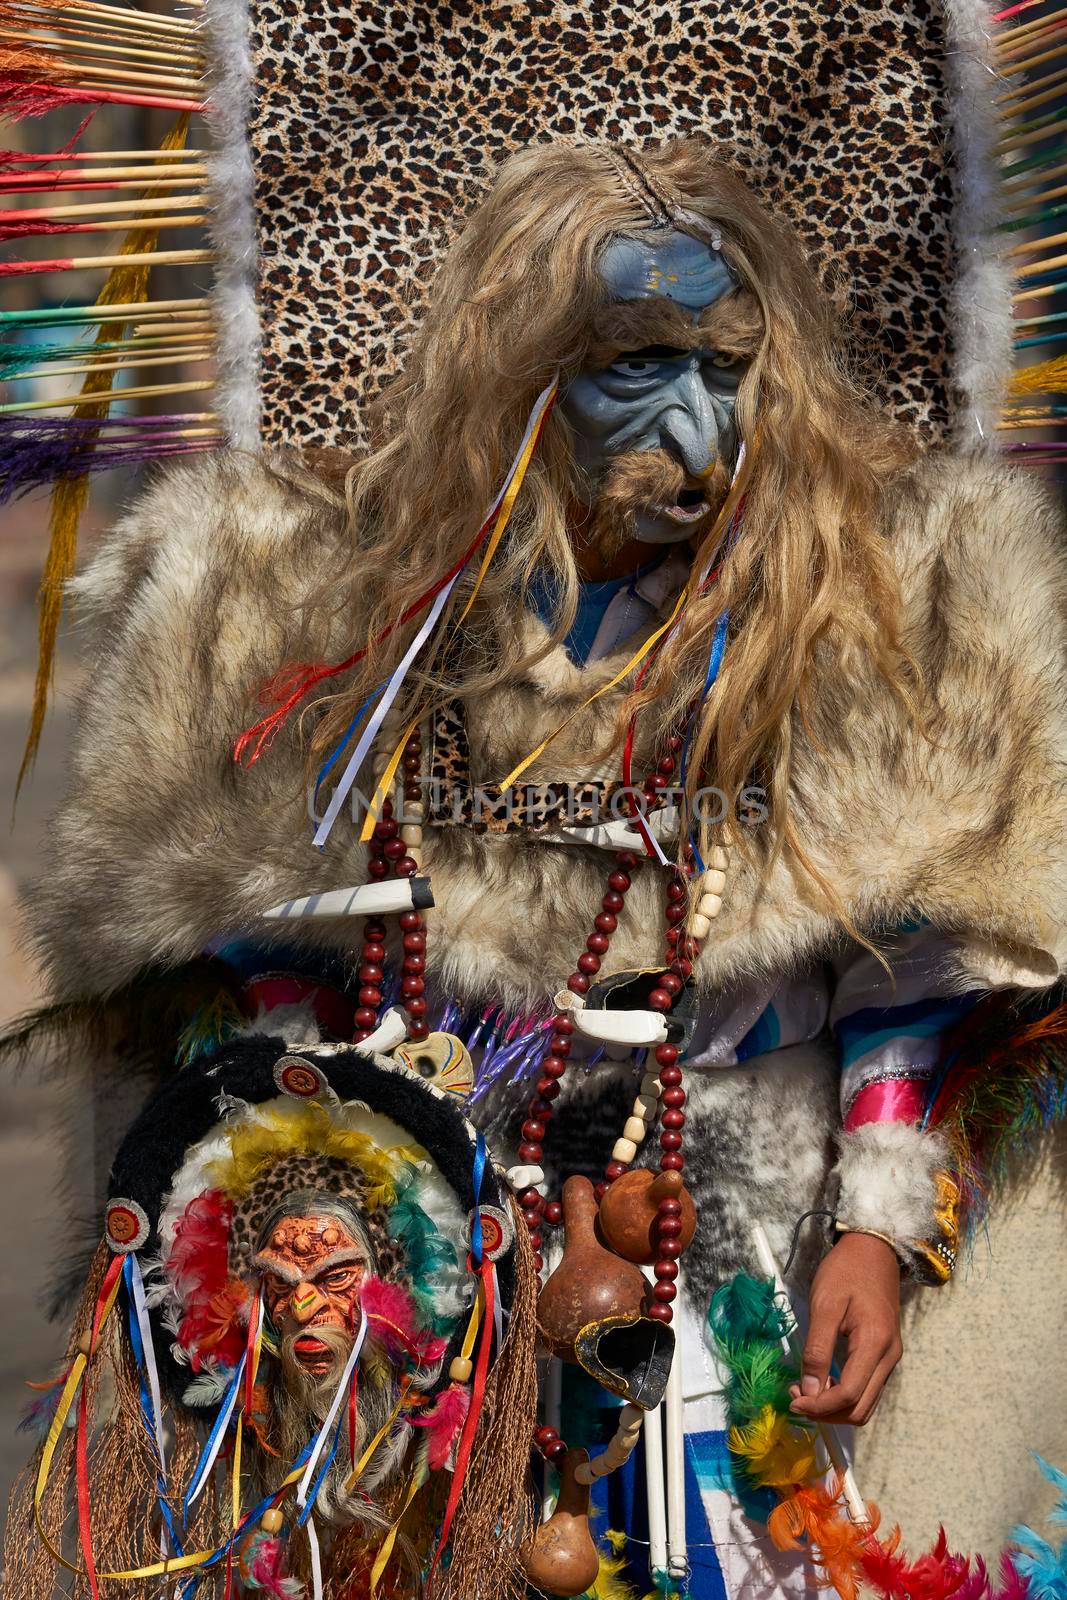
{"points": [[981, 299], [233, 227], [887, 1174]]}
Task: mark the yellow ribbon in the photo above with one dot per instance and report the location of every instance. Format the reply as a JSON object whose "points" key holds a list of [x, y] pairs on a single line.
{"points": [[385, 782], [634, 661], [381, 1560], [503, 516], [357, 1471]]}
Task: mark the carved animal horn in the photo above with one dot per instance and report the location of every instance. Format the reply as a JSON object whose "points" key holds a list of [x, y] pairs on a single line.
{"points": [[562, 1558]]}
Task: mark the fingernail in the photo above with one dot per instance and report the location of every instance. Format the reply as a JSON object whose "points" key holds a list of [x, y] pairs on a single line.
{"points": [[809, 1386]]}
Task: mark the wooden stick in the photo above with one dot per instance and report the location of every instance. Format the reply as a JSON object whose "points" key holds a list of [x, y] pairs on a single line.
{"points": [[148, 20], [1031, 202], [153, 329], [148, 174], [117, 394], [1040, 293], [1035, 175], [1028, 247], [166, 156], [1038, 99], [553, 1408], [92, 47], [106, 208], [1028, 64], [1035, 269], [1012, 38], [116, 78], [857, 1508], [126, 312], [1027, 88], [1016, 141], [116, 365], [145, 258], [120, 224]]}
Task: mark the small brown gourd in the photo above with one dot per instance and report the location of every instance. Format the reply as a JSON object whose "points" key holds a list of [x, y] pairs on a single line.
{"points": [[561, 1559], [590, 1283], [629, 1209]]}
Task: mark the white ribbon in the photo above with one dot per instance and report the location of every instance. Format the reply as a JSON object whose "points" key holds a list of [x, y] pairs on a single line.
{"points": [[392, 688], [331, 1415]]}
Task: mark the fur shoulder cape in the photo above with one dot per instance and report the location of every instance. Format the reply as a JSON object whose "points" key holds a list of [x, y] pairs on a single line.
{"points": [[203, 591]]}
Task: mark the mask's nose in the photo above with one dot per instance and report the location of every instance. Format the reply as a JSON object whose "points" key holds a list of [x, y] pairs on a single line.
{"points": [[688, 429], [305, 1301]]}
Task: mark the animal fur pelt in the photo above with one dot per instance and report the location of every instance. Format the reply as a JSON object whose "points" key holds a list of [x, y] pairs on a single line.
{"points": [[203, 590], [164, 844]]}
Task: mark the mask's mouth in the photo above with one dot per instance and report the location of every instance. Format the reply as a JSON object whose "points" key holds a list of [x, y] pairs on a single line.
{"points": [[309, 1351], [690, 506]]}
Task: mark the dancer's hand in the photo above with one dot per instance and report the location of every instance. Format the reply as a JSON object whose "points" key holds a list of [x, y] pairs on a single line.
{"points": [[855, 1296]]}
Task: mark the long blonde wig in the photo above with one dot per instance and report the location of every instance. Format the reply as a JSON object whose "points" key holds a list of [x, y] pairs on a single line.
{"points": [[513, 304]]}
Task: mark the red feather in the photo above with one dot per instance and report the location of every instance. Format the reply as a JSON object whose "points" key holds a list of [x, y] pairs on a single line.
{"points": [[444, 1423], [393, 1318], [214, 1304]]}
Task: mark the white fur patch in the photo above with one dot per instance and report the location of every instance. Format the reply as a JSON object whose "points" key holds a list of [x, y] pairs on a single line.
{"points": [[887, 1173]]}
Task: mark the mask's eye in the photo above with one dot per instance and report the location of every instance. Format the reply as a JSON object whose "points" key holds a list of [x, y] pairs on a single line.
{"points": [[633, 367], [340, 1278], [642, 363], [725, 362]]}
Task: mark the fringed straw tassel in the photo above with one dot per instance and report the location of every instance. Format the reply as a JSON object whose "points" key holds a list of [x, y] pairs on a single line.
{"points": [[497, 1508], [70, 494]]}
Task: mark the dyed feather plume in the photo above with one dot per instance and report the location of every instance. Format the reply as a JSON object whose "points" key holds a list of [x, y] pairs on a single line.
{"points": [[1005, 1082]]}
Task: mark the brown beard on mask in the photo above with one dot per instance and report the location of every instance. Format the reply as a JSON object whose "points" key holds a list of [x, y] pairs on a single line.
{"points": [[640, 480], [301, 1402]]}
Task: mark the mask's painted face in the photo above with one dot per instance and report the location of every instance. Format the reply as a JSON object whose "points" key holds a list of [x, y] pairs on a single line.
{"points": [[661, 385], [313, 1267]]}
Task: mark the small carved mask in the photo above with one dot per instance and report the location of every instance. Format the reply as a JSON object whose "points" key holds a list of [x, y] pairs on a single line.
{"points": [[313, 1263]]}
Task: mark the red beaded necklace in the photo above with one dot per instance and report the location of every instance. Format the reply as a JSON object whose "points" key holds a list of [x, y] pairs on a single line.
{"points": [[388, 849]]}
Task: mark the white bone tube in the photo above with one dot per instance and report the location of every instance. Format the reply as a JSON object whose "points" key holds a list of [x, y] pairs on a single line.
{"points": [[657, 1511], [621, 1027], [857, 1508], [366, 900], [677, 1556], [391, 1031]]}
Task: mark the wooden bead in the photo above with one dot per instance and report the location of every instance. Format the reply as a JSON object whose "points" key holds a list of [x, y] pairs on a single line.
{"points": [[271, 1521], [718, 858], [624, 1150], [645, 1107], [699, 926], [710, 905], [85, 1343], [650, 1086], [412, 834], [713, 882], [634, 1129], [460, 1369]]}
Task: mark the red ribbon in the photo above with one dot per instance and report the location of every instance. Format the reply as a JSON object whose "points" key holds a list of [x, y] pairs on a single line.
{"points": [[470, 1424], [305, 677], [81, 1443]]}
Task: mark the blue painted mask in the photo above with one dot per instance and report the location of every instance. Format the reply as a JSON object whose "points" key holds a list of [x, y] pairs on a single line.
{"points": [[675, 398]]}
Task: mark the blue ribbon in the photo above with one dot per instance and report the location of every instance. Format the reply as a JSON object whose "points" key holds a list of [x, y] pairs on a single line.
{"points": [[242, 1527], [342, 744], [324, 1469], [146, 1407], [212, 1436], [718, 650], [480, 1157]]}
